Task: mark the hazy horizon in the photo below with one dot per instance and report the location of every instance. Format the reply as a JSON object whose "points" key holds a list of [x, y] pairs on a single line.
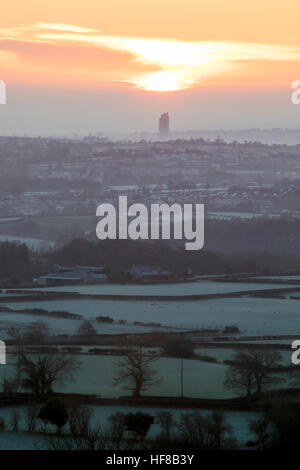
{"points": [[88, 69]]}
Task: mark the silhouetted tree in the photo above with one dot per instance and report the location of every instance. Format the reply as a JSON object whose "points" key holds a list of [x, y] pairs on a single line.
{"points": [[116, 428], [165, 420], [136, 371], [278, 428], [54, 412], [261, 429], [139, 423], [252, 371], [79, 420], [42, 372]]}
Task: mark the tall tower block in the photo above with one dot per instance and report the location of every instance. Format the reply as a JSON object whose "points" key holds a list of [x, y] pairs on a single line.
{"points": [[164, 125]]}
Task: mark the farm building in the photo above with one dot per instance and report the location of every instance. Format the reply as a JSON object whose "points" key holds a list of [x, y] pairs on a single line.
{"points": [[74, 275]]}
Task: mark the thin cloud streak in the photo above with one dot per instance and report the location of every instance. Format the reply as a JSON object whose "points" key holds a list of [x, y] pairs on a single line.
{"points": [[64, 27], [180, 64], [183, 64]]}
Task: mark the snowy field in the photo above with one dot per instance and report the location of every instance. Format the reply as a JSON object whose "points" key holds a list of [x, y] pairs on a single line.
{"points": [[96, 373], [95, 376], [31, 243], [60, 326], [253, 316], [184, 288], [286, 277], [223, 354]]}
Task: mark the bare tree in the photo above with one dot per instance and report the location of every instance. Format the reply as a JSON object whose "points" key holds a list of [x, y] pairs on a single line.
{"points": [[239, 378], [43, 371], [218, 430], [95, 438], [166, 422], [32, 412], [136, 371], [253, 371], [79, 420], [204, 431], [193, 429], [116, 428], [14, 421], [261, 428]]}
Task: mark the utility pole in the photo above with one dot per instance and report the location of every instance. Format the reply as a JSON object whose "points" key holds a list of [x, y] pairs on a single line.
{"points": [[181, 376]]}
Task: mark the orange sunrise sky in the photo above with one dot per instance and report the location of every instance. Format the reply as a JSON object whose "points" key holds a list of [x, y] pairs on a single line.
{"points": [[116, 65]]}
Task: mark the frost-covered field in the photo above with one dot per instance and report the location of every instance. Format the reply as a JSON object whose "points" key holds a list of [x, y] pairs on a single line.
{"points": [[254, 316], [286, 277], [31, 243], [272, 341], [59, 326], [223, 354], [21, 320], [4, 293], [183, 288], [202, 379], [24, 441]]}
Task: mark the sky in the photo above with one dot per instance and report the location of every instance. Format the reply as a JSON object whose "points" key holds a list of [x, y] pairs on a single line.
{"points": [[115, 66]]}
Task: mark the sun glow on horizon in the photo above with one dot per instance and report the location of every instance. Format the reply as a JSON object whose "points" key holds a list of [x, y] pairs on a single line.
{"points": [[150, 64], [161, 81], [184, 64]]}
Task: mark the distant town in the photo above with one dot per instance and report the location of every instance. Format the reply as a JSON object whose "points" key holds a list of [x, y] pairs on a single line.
{"points": [[67, 178], [51, 176]]}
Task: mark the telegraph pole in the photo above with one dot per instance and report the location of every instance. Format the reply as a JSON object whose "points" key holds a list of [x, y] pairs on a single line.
{"points": [[181, 376]]}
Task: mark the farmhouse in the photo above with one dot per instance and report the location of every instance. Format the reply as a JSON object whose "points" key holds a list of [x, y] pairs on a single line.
{"points": [[74, 275]]}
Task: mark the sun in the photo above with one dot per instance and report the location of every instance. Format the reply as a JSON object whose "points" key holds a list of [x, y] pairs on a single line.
{"points": [[162, 81]]}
